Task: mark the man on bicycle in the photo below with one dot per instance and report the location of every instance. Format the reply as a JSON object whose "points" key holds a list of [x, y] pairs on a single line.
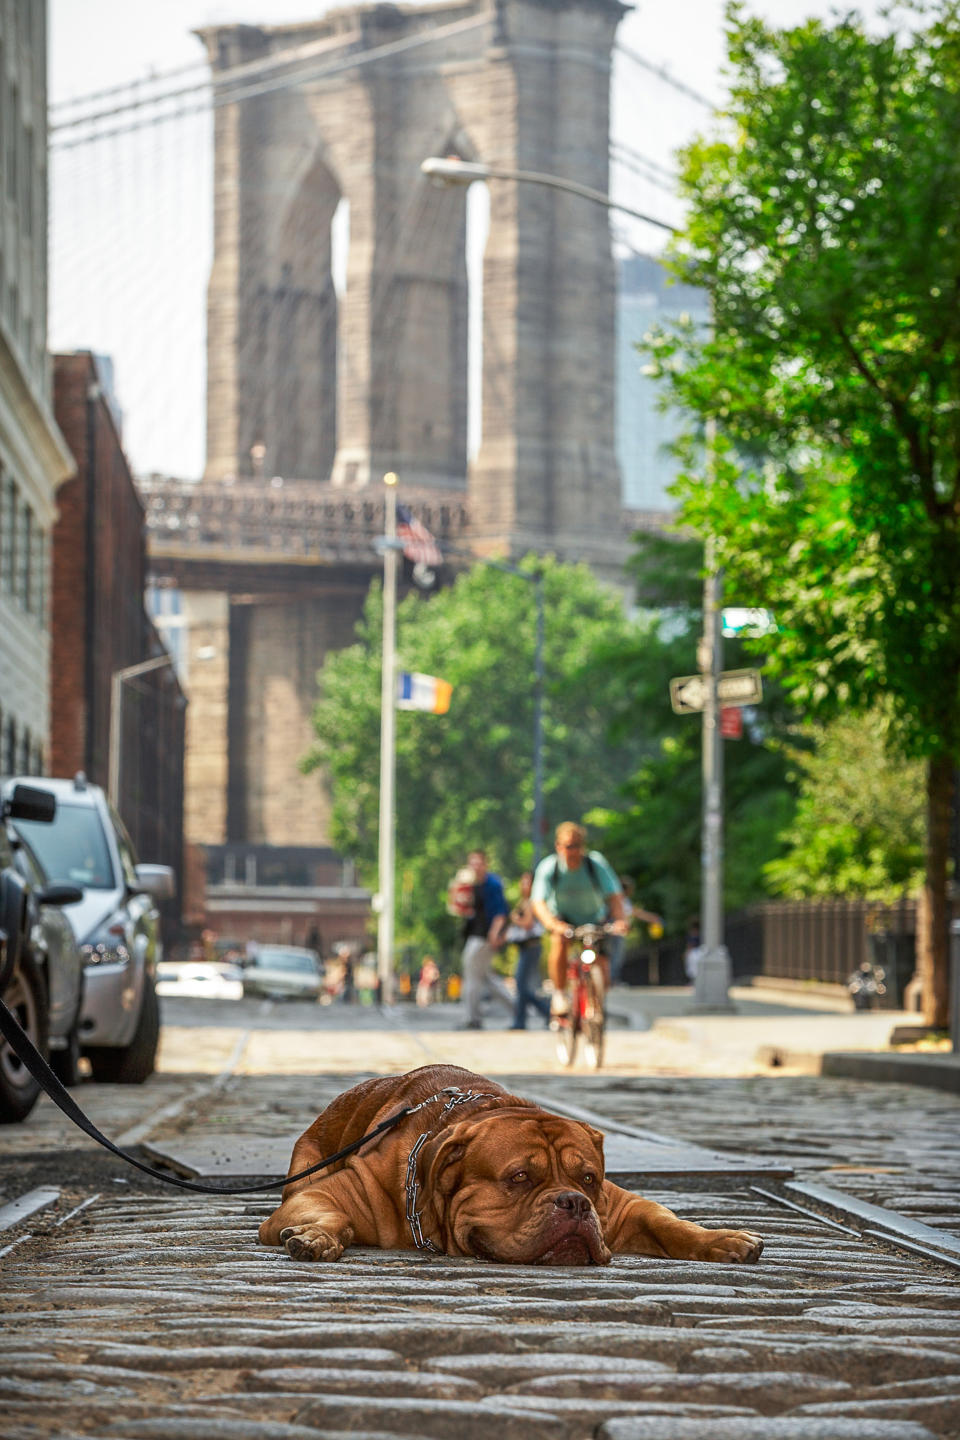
{"points": [[573, 887]]}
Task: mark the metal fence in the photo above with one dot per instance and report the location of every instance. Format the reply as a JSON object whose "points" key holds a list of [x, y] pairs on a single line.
{"points": [[822, 940]]}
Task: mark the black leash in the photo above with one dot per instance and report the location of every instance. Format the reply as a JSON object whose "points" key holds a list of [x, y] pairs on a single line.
{"points": [[25, 1051]]}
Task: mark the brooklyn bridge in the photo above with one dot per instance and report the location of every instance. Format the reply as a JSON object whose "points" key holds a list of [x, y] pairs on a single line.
{"points": [[315, 389]]}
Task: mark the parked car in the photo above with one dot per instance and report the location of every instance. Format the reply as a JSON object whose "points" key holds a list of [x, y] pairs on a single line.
{"points": [[282, 972], [200, 979], [115, 922], [41, 970]]}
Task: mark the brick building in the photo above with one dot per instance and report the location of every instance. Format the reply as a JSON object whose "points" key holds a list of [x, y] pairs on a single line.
{"points": [[99, 625]]}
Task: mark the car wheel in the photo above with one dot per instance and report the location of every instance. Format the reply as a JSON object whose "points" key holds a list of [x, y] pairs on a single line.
{"points": [[26, 998], [65, 1063], [131, 1064]]}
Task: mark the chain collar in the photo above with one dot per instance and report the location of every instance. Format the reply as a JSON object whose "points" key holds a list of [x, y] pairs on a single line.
{"points": [[456, 1097]]}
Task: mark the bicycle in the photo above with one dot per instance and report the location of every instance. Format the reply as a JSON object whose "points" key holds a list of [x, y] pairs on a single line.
{"points": [[586, 991]]}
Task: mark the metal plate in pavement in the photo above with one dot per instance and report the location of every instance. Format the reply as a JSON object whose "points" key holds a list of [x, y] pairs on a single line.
{"points": [[631, 1157]]}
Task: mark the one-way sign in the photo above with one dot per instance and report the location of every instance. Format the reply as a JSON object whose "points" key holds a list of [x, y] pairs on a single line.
{"points": [[688, 693]]}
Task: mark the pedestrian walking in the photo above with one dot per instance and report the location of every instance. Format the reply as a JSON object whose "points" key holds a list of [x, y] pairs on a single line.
{"points": [[429, 981], [483, 935], [526, 932]]}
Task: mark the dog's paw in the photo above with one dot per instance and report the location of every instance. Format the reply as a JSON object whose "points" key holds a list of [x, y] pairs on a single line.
{"points": [[311, 1242], [731, 1247]]}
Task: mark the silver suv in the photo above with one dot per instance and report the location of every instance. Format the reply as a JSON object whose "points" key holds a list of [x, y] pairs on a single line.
{"points": [[116, 924]]}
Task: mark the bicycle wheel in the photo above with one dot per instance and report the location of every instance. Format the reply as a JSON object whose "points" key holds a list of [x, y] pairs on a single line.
{"points": [[594, 1022], [568, 1028]]}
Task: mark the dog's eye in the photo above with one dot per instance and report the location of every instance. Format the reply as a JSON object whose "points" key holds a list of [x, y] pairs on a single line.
{"points": [[589, 1178], [518, 1178]]}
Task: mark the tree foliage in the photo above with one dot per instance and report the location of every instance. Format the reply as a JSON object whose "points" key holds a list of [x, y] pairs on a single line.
{"points": [[826, 225], [859, 822], [655, 834], [465, 779]]}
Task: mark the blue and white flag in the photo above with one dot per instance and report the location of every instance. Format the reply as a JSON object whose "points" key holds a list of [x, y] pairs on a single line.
{"points": [[423, 692]]}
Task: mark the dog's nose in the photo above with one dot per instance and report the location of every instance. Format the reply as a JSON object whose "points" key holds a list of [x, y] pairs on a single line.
{"points": [[573, 1202]]}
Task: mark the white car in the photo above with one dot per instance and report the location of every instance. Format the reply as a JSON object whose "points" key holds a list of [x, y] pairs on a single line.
{"points": [[199, 980]]}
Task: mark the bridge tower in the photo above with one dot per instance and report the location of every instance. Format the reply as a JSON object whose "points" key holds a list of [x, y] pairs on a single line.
{"points": [[313, 384]]}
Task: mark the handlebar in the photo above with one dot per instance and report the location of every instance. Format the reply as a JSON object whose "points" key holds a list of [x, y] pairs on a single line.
{"points": [[584, 932]]}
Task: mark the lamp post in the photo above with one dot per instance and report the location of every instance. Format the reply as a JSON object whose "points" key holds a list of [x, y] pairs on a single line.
{"points": [[713, 974], [388, 759], [117, 682]]}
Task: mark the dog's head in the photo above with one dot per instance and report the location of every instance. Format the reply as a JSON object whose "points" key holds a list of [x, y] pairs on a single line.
{"points": [[518, 1187]]}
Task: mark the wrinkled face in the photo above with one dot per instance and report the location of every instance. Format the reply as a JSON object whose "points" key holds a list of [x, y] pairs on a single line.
{"points": [[520, 1190]]}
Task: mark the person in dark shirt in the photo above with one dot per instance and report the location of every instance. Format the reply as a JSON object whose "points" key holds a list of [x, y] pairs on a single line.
{"points": [[483, 936]]}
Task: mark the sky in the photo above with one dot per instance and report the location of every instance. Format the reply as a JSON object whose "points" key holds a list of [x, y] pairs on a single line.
{"points": [[130, 240]]}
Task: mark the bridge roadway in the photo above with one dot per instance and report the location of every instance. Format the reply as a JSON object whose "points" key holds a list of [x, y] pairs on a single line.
{"points": [[135, 1311], [226, 528]]}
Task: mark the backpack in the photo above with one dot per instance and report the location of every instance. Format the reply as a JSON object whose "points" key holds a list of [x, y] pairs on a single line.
{"points": [[551, 878]]}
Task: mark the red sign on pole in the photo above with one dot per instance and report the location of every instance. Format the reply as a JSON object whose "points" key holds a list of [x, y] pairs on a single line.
{"points": [[731, 722]]}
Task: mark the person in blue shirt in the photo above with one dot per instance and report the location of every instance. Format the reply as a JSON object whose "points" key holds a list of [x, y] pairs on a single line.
{"points": [[483, 935], [575, 886]]}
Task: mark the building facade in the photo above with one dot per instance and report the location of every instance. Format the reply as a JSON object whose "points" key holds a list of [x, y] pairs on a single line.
{"points": [[34, 460], [645, 431], [99, 626]]}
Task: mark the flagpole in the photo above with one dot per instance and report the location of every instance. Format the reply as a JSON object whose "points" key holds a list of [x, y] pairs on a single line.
{"points": [[388, 768]]}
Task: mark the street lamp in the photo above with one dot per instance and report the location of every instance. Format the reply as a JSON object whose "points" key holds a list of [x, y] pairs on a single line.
{"points": [[713, 971], [451, 171], [388, 762]]}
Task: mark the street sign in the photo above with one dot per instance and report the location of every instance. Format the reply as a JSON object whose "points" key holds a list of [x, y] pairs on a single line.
{"points": [[688, 693], [731, 722], [744, 621]]}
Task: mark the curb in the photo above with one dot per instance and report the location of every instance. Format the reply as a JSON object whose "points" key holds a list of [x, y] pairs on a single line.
{"points": [[938, 1072]]}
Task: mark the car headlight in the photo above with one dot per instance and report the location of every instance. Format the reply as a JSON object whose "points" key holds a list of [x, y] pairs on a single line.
{"points": [[107, 947]]}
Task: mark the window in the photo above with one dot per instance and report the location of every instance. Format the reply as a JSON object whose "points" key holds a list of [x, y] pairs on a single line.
{"points": [[8, 764], [40, 576], [27, 558], [74, 848], [27, 210], [128, 860], [8, 506], [12, 137]]}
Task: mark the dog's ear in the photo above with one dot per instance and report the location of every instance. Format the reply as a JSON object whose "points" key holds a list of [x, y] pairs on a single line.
{"points": [[595, 1135], [442, 1159], [442, 1164]]}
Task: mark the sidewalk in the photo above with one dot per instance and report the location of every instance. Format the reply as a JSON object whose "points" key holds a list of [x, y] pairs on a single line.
{"points": [[797, 1032]]}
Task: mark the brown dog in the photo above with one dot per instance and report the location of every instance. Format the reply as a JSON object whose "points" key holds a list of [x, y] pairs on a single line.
{"points": [[475, 1171]]}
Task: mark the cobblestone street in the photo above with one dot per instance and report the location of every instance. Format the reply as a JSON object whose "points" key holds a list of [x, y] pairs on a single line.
{"points": [[131, 1310]]}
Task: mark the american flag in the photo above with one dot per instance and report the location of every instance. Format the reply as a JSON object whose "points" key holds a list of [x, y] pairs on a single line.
{"points": [[418, 544]]}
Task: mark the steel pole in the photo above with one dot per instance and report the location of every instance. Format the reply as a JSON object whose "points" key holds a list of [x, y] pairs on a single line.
{"points": [[538, 725], [712, 982], [955, 986], [388, 758]]}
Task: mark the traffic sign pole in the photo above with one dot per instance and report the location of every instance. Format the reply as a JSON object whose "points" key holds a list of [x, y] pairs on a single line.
{"points": [[712, 983]]}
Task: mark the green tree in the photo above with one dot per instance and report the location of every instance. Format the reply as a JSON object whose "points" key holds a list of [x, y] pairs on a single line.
{"points": [[859, 822], [465, 779], [825, 222], [655, 833]]}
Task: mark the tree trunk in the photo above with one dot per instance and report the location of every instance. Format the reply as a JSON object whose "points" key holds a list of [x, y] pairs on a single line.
{"points": [[933, 916]]}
